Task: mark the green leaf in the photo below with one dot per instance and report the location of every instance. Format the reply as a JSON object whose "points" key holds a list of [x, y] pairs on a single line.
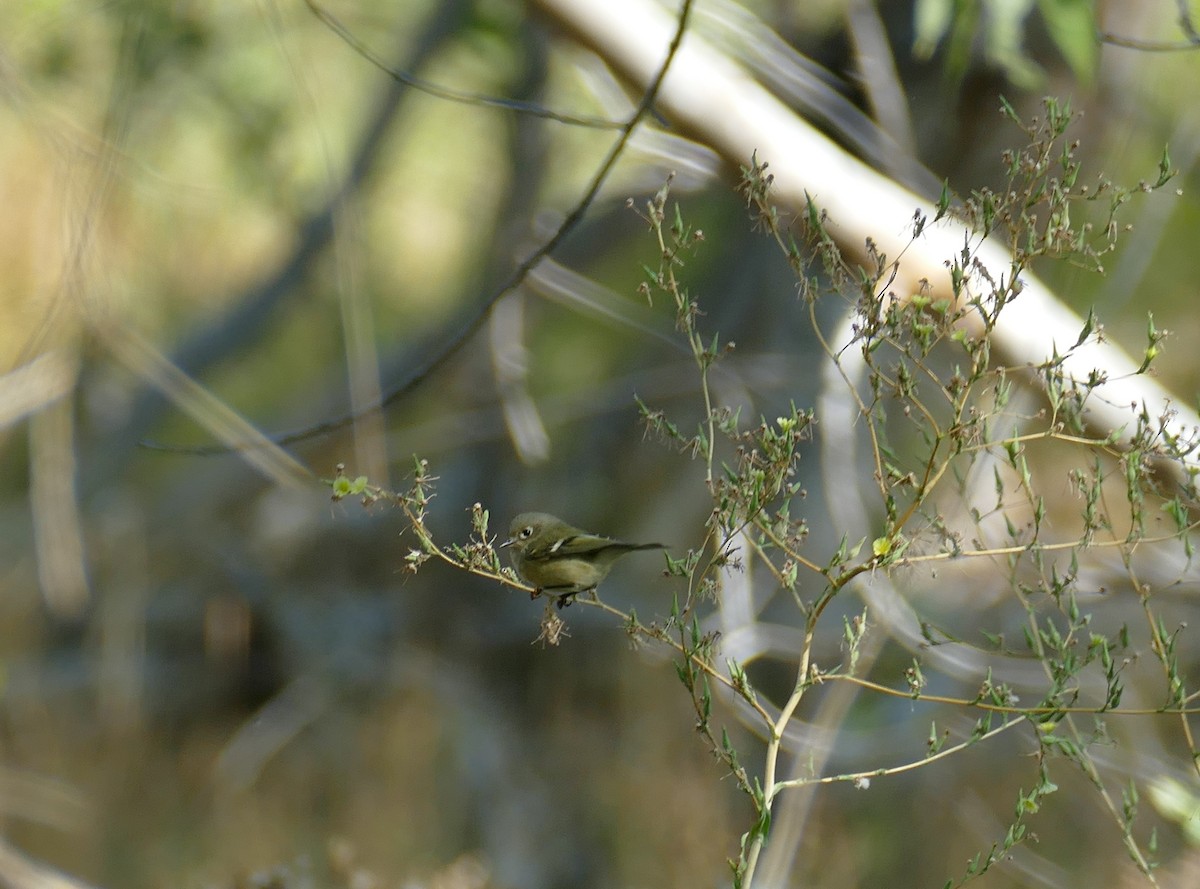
{"points": [[1165, 171], [1071, 24], [943, 204], [1005, 23], [1089, 327], [931, 21]]}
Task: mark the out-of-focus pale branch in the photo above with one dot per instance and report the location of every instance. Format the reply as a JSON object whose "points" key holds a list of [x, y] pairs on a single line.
{"points": [[202, 406], [19, 871], [712, 98], [38, 388], [54, 503], [510, 364], [32, 386]]}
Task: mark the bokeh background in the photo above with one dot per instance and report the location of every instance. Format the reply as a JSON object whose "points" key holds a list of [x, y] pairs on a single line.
{"points": [[214, 678]]}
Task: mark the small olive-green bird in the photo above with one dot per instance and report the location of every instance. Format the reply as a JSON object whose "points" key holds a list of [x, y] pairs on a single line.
{"points": [[561, 560]]}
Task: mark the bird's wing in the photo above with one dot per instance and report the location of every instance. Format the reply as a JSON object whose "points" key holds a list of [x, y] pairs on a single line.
{"points": [[575, 545]]}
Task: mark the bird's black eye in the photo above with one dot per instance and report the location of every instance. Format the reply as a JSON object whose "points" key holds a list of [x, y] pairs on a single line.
{"points": [[526, 532]]}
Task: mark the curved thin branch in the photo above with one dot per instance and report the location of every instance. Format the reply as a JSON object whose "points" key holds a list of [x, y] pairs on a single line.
{"points": [[452, 95], [253, 311], [449, 345]]}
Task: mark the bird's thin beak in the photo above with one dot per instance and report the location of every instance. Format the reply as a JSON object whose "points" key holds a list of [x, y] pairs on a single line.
{"points": [[508, 542]]}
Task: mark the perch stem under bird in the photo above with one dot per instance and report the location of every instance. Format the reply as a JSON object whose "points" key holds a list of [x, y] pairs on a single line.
{"points": [[560, 560]]}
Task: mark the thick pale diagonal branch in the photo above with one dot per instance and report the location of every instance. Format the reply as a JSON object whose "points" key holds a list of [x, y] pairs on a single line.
{"points": [[712, 98]]}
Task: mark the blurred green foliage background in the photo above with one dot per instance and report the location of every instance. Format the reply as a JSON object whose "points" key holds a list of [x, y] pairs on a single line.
{"points": [[205, 676]]}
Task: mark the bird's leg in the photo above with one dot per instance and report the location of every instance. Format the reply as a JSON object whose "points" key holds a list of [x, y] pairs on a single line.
{"points": [[566, 600]]}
